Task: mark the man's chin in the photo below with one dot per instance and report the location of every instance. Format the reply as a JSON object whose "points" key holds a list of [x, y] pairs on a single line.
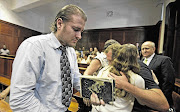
{"points": [[72, 45]]}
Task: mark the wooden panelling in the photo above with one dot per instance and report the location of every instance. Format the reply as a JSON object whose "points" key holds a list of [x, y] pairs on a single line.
{"points": [[89, 39], [172, 35], [103, 37], [93, 39], [131, 36], [97, 37], [12, 35], [6, 66], [2, 66], [141, 37], [176, 53], [118, 35], [6, 29]]}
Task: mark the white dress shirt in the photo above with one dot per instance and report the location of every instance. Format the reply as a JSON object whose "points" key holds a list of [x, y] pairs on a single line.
{"points": [[36, 77], [149, 59], [4, 51]]}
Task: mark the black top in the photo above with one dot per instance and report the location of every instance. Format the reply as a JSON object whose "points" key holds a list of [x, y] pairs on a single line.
{"points": [[146, 74], [162, 66]]}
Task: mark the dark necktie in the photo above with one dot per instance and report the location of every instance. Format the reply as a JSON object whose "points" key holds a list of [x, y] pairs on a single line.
{"points": [[65, 78]]}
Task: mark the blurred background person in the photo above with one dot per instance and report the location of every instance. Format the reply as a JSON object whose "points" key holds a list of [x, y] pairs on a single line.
{"points": [[100, 60], [90, 50], [96, 50], [78, 57], [85, 58], [4, 51]]}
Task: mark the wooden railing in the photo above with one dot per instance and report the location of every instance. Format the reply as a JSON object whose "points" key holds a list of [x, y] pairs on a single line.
{"points": [[177, 86], [6, 68], [6, 65]]}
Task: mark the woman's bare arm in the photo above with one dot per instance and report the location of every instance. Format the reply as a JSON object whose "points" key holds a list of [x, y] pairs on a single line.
{"points": [[93, 67]]}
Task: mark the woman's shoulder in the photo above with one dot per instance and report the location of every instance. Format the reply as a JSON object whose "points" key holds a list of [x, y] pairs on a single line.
{"points": [[136, 79]]}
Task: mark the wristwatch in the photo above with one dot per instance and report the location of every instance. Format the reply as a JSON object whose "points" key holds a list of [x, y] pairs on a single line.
{"points": [[171, 110]]}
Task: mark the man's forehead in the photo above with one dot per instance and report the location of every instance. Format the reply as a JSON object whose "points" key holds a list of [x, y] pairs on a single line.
{"points": [[146, 46]]}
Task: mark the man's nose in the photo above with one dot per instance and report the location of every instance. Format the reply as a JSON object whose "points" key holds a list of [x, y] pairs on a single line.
{"points": [[78, 35]]}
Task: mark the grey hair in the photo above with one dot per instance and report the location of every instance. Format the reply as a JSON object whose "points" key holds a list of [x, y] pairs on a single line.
{"points": [[151, 43]]}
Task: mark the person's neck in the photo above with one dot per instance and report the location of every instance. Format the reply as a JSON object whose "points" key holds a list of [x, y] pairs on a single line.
{"points": [[59, 38]]}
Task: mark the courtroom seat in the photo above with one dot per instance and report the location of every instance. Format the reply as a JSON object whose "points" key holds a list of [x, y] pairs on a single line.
{"points": [[82, 67], [73, 106], [4, 106], [78, 99], [5, 81]]}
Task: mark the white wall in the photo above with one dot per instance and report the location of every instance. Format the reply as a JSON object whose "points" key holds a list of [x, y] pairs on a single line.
{"points": [[140, 13], [26, 19], [124, 15]]}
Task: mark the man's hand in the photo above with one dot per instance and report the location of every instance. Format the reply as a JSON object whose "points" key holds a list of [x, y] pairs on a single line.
{"points": [[154, 77], [95, 100], [119, 80], [87, 101]]}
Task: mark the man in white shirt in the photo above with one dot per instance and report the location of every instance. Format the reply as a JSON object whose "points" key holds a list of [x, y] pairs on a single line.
{"points": [[4, 51], [36, 82]]}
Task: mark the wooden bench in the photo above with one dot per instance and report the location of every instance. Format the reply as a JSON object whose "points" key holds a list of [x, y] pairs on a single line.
{"points": [[5, 81], [177, 85], [4, 106], [82, 70], [82, 67]]}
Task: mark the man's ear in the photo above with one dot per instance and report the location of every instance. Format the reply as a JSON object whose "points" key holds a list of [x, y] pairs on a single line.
{"points": [[154, 49], [59, 23]]}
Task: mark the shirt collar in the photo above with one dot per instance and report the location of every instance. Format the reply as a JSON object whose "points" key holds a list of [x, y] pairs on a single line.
{"points": [[55, 44], [150, 58]]}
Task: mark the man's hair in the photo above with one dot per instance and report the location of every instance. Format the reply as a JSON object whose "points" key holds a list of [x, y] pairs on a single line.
{"points": [[151, 43], [110, 42], [66, 13]]}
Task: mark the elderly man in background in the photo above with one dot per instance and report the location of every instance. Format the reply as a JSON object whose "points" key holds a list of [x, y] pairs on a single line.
{"points": [[162, 66]]}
